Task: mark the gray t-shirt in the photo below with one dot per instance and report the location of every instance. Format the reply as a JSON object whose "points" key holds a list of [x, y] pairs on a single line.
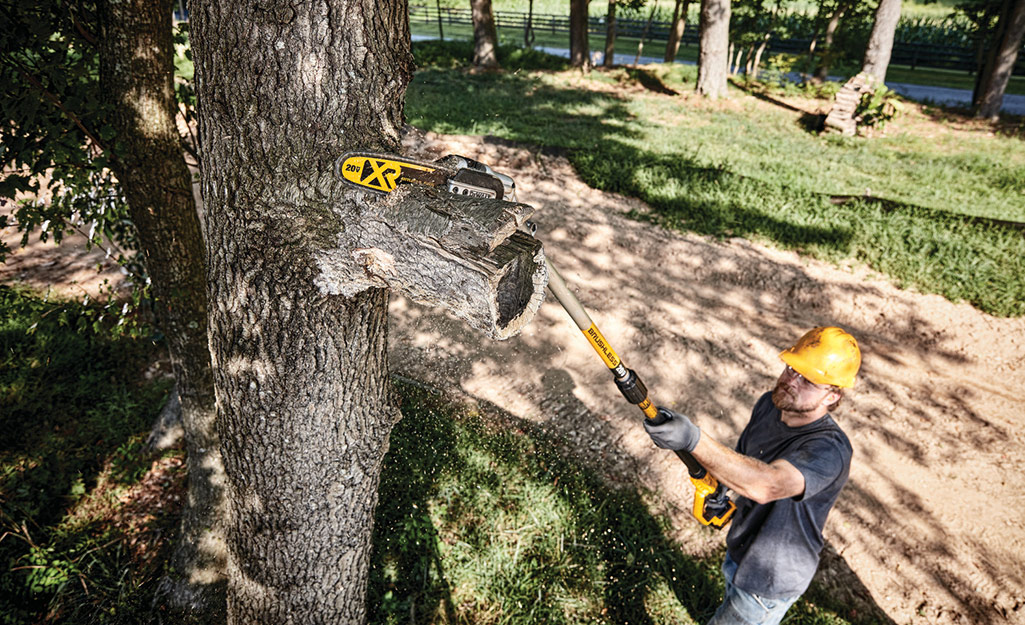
{"points": [[776, 545]]}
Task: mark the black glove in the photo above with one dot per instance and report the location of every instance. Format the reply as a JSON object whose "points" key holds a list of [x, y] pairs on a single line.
{"points": [[672, 430]]}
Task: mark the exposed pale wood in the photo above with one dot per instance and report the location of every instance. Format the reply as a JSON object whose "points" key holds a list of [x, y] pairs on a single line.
{"points": [[459, 253]]}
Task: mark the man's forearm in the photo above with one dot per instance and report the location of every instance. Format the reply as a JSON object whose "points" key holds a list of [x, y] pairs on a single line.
{"points": [[749, 476]]}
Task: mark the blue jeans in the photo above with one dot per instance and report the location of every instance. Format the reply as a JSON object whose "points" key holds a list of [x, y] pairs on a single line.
{"points": [[740, 607]]}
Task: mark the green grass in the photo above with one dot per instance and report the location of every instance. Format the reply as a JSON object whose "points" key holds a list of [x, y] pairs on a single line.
{"points": [[479, 523], [756, 172], [75, 413]]}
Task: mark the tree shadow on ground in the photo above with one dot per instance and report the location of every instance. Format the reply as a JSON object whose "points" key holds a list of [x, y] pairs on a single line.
{"points": [[611, 551], [650, 81]]}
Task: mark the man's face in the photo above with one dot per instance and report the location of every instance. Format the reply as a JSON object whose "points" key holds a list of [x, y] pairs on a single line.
{"points": [[795, 393]]}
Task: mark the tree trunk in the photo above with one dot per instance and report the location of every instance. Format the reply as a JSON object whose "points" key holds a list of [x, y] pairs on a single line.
{"points": [[676, 29], [713, 56], [880, 42], [610, 35], [485, 39], [579, 46], [441, 29], [825, 57], [528, 30], [1001, 59], [298, 323], [304, 399], [644, 33], [756, 64], [136, 72]]}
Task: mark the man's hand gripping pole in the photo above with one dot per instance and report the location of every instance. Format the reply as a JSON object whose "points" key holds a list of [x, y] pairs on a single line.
{"points": [[712, 506]]}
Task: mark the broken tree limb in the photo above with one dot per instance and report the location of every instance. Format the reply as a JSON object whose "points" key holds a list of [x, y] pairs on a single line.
{"points": [[464, 254]]}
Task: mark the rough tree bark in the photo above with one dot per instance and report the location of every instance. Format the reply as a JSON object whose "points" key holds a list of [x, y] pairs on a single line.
{"points": [[298, 328], [1003, 54], [713, 55], [676, 29], [610, 35], [485, 39], [880, 42], [579, 46], [136, 72]]}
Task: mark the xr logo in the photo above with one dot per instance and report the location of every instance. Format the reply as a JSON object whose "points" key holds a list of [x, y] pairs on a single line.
{"points": [[380, 175]]}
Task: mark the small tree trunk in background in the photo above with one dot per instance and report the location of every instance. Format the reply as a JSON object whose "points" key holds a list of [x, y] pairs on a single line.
{"points": [[528, 30], [880, 43], [136, 72], [822, 69], [713, 57], [1000, 61], [644, 33], [610, 35], [579, 46], [441, 29], [755, 69], [676, 29], [485, 39]]}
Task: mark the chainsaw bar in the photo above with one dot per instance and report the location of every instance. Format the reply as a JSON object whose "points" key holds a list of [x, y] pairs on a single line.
{"points": [[382, 173]]}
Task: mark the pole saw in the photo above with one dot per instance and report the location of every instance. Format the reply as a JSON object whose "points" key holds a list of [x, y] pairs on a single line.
{"points": [[382, 173]]}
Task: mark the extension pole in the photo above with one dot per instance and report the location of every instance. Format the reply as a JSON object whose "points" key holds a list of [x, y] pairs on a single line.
{"points": [[711, 504]]}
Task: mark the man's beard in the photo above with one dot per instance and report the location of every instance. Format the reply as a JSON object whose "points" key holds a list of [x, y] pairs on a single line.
{"points": [[786, 402]]}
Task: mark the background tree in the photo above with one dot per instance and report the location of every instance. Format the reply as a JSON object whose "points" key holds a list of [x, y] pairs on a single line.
{"points": [[880, 42], [610, 35], [485, 39], [713, 55], [1006, 43], [93, 94], [753, 23], [676, 29], [826, 52], [579, 46]]}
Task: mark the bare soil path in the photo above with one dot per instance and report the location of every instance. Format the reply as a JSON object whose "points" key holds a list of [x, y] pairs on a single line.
{"points": [[930, 528]]}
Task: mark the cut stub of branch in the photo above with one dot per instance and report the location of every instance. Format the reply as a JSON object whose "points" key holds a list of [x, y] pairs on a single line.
{"points": [[464, 254]]}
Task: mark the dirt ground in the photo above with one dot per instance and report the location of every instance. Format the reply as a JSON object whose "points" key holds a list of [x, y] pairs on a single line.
{"points": [[929, 529]]}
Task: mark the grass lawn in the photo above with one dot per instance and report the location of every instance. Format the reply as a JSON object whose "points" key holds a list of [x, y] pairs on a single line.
{"points": [[743, 168]]}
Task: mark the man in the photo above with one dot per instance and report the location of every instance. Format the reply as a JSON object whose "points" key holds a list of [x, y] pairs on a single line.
{"points": [[790, 463]]}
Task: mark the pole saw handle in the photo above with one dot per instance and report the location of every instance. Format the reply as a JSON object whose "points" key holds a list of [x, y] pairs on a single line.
{"points": [[712, 505]]}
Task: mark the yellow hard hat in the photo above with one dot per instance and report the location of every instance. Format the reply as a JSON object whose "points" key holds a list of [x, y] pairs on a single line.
{"points": [[827, 355]]}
